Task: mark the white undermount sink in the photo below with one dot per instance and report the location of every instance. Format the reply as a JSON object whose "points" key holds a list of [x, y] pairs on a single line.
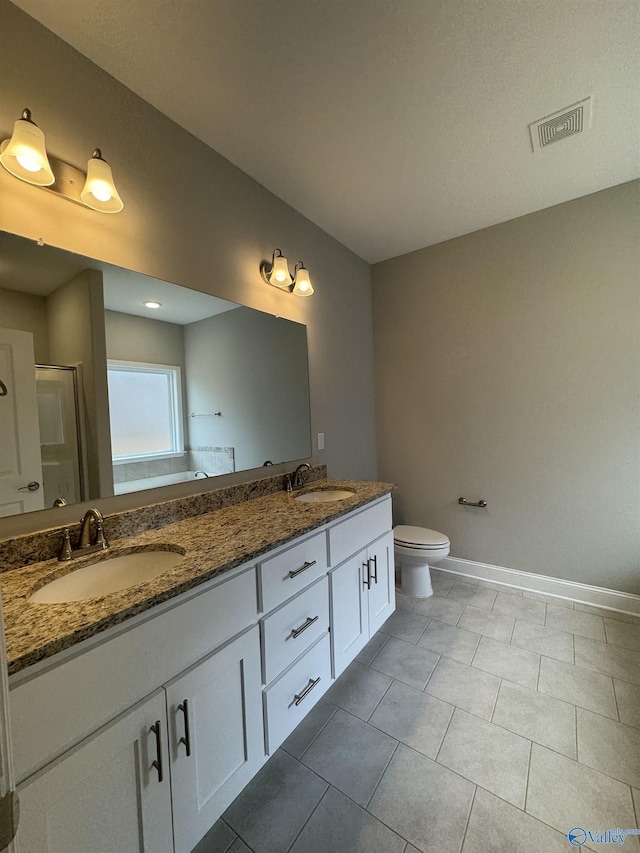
{"points": [[324, 496], [105, 576]]}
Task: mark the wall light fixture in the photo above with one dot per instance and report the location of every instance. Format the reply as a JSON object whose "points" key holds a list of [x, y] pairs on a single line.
{"points": [[277, 273], [25, 157]]}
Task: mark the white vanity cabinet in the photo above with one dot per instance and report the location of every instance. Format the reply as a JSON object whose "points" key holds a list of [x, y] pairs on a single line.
{"points": [[363, 586], [110, 793], [138, 740], [215, 736]]}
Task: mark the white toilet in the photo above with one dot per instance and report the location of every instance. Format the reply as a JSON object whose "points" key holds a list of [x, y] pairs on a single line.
{"points": [[417, 548]]}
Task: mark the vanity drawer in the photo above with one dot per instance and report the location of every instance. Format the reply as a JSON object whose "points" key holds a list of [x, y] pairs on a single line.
{"points": [[292, 570], [287, 632], [306, 681], [348, 537]]}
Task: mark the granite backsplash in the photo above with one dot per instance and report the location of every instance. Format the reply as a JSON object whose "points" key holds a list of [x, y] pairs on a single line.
{"points": [[33, 547]]}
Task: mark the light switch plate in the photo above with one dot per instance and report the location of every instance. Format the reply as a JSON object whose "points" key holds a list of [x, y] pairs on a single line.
{"points": [[320, 441]]}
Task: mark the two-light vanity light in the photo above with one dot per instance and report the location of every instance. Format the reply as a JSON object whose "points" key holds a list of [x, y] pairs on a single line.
{"points": [[277, 273], [25, 157]]}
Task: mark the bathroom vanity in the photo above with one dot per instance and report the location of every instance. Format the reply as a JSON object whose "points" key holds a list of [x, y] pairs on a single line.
{"points": [[135, 732]]}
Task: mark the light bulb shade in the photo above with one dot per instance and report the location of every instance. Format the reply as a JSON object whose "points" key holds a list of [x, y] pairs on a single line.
{"points": [[99, 192], [25, 154], [302, 282], [278, 272]]}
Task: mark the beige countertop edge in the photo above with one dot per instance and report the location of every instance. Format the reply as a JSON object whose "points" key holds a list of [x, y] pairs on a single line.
{"points": [[214, 544]]}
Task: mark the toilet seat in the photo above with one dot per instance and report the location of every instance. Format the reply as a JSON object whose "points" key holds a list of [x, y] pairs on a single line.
{"points": [[419, 538]]}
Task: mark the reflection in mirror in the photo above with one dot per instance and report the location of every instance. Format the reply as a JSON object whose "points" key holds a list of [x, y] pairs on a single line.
{"points": [[139, 383]]}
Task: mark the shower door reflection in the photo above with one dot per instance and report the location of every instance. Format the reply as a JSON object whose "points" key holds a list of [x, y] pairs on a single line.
{"points": [[58, 415]]}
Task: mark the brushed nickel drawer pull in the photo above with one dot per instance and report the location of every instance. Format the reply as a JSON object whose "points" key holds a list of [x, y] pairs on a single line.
{"points": [[158, 762], [297, 631], [186, 740], [375, 568], [303, 568], [300, 696]]}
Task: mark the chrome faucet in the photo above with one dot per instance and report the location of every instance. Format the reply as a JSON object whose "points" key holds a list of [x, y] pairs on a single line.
{"points": [[298, 482], [204, 474], [99, 541]]}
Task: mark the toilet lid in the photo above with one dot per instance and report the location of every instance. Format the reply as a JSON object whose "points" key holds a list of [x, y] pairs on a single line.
{"points": [[418, 537]]}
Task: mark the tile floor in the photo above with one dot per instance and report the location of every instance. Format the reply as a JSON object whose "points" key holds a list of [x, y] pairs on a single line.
{"points": [[482, 719]]}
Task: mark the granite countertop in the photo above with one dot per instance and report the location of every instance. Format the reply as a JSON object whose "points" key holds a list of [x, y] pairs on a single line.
{"points": [[212, 544]]}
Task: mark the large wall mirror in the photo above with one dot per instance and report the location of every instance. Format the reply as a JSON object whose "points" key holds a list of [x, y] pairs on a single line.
{"points": [[113, 382]]}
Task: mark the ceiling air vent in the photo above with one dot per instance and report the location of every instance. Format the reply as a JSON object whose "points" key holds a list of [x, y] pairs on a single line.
{"points": [[567, 122]]}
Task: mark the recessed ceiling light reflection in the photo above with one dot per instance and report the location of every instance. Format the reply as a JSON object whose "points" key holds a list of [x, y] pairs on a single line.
{"points": [[152, 304]]}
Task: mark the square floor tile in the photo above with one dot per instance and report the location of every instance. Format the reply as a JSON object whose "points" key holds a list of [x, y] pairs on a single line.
{"points": [[517, 665], [423, 802], [340, 826], [405, 625], [622, 634], [497, 827], [628, 696], [413, 717], [309, 728], [488, 755], [367, 654], [610, 747], [448, 640], [520, 608], [608, 659], [358, 690], [351, 755], [545, 641], [564, 793], [444, 609], [441, 584], [577, 685], [465, 687], [533, 715], [239, 846], [602, 611], [486, 622], [500, 587], [575, 622], [283, 787], [218, 840], [472, 595], [406, 662], [404, 602], [549, 599]]}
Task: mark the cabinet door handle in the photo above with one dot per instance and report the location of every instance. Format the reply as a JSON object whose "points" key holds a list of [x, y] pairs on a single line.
{"points": [[375, 568], [309, 621], [186, 740], [158, 762], [367, 581], [303, 568], [300, 696]]}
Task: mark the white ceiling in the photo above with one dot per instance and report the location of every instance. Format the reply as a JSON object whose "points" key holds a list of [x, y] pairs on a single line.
{"points": [[41, 270], [392, 124]]}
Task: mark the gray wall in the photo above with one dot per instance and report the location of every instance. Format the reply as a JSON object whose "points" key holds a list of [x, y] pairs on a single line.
{"points": [[75, 317], [507, 368], [192, 218], [26, 312], [253, 368]]}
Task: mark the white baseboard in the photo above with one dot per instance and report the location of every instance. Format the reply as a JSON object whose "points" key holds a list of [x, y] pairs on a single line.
{"points": [[622, 602]]}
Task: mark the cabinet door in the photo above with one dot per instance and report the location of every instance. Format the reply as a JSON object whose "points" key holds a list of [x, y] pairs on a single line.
{"points": [[216, 735], [105, 794], [349, 625], [382, 593]]}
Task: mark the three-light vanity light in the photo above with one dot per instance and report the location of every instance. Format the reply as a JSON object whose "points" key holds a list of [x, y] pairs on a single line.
{"points": [[277, 273], [25, 157]]}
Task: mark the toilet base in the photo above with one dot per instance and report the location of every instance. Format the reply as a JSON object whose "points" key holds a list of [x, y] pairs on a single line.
{"points": [[416, 581]]}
